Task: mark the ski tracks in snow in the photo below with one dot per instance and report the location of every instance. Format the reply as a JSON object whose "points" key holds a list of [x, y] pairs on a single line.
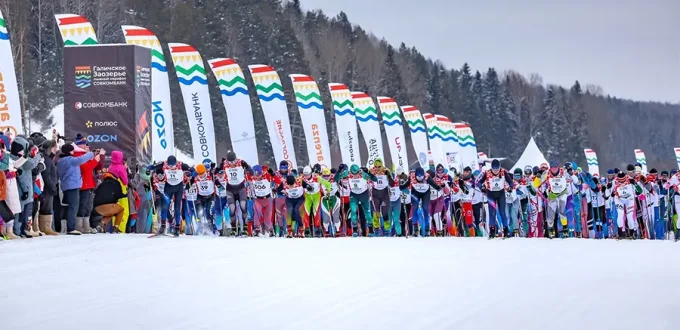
{"points": [[130, 282]]}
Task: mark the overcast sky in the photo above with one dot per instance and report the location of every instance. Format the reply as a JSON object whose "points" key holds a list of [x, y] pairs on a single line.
{"points": [[630, 48]]}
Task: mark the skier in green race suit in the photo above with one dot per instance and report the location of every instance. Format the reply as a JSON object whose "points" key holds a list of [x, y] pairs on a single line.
{"points": [[358, 185]]}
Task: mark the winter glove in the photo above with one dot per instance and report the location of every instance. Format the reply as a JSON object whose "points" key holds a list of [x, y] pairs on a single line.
{"points": [[149, 167], [364, 169], [310, 188], [218, 184], [609, 185], [270, 171], [24, 196], [19, 171]]}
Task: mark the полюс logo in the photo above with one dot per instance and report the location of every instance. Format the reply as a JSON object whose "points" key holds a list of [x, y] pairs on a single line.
{"points": [[90, 124], [83, 77]]}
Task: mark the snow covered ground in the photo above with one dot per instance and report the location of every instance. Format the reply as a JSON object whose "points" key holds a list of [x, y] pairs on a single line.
{"points": [[58, 123], [131, 282]]}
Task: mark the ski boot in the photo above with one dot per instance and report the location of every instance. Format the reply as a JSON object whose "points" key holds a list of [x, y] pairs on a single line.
{"points": [[176, 231], [161, 230], [516, 234], [492, 232], [551, 233], [440, 233], [571, 233], [579, 235], [506, 233]]}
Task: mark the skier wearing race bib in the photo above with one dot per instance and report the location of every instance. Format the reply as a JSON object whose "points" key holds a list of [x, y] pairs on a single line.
{"points": [[453, 211], [512, 200], [261, 183], [358, 181], [495, 183], [293, 188], [437, 198], [280, 202], [312, 201], [556, 186], [421, 186], [380, 195], [330, 202], [399, 190], [343, 187], [158, 187], [670, 189], [173, 189], [471, 200], [206, 191], [624, 189], [221, 209], [236, 188]]}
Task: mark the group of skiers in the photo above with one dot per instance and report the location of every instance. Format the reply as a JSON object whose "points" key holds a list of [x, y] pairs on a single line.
{"points": [[234, 198]]}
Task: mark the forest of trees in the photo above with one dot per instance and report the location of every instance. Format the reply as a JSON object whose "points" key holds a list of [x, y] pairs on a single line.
{"points": [[503, 108]]}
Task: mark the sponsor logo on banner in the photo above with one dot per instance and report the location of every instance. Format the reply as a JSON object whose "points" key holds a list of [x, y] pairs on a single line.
{"points": [[282, 140], [83, 76], [87, 76], [159, 120], [102, 138], [317, 144], [200, 126], [373, 151], [398, 144], [142, 76], [95, 105], [90, 124], [5, 115], [350, 142]]}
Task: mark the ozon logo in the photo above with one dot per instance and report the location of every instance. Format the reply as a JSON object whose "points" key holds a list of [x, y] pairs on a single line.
{"points": [[102, 138]]}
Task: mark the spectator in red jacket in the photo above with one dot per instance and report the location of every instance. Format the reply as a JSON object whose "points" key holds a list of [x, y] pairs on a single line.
{"points": [[87, 171]]}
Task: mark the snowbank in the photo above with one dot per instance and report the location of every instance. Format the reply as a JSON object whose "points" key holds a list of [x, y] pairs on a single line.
{"points": [[58, 123], [131, 282]]}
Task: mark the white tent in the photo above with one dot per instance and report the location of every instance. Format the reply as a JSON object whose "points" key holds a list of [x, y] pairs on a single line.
{"points": [[531, 156]]}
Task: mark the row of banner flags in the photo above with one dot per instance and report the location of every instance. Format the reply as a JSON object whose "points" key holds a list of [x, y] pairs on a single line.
{"points": [[434, 138]]}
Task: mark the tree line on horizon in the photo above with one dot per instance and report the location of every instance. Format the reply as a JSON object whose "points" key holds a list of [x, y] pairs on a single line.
{"points": [[504, 109]]}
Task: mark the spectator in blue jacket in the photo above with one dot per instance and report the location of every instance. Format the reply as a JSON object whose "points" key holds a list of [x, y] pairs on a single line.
{"points": [[68, 169]]}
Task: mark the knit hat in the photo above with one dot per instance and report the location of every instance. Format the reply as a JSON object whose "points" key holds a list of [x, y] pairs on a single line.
{"points": [[80, 140], [67, 149]]}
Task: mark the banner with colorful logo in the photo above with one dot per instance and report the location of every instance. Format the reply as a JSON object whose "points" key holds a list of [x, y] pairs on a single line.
{"points": [[593, 164], [346, 123], [677, 156], [394, 129], [640, 158], [467, 145], [452, 155], [194, 85], [232, 84], [107, 97], [76, 30], [10, 104], [416, 125], [436, 137], [367, 115], [308, 99], [273, 102], [163, 141]]}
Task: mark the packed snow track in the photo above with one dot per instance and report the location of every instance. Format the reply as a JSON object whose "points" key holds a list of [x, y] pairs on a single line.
{"points": [[132, 282]]}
